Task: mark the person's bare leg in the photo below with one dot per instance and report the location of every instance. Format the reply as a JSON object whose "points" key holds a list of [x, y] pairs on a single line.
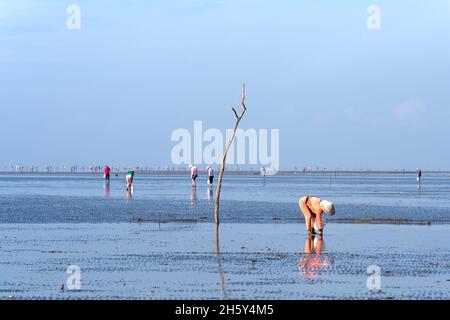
{"points": [[306, 213], [313, 248], [313, 223]]}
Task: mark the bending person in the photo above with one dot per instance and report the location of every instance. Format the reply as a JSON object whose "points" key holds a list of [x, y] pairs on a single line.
{"points": [[312, 209], [129, 178], [194, 175]]}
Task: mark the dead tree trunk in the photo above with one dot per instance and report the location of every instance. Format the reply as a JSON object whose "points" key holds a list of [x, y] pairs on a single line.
{"points": [[219, 262], [237, 119]]}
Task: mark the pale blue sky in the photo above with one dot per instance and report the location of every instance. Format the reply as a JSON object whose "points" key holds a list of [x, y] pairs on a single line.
{"points": [[342, 96]]}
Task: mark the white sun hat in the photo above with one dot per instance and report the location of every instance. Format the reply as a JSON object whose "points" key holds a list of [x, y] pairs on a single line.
{"points": [[327, 207]]}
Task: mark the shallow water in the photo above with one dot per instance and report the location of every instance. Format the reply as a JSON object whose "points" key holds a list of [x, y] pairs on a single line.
{"points": [[256, 257], [249, 261], [86, 198]]}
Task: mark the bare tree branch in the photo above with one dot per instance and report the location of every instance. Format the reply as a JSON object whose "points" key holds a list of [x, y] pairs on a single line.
{"points": [[224, 157], [235, 113], [243, 100]]}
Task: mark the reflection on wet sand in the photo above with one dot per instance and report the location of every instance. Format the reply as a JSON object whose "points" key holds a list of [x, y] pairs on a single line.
{"points": [[313, 262], [106, 189], [193, 197], [209, 193], [129, 194], [219, 263]]}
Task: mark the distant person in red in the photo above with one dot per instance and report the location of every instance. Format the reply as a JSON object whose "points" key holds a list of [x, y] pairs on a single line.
{"points": [[107, 172]]}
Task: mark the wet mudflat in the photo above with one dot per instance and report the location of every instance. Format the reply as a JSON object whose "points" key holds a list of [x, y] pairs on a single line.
{"points": [[248, 199], [244, 261]]}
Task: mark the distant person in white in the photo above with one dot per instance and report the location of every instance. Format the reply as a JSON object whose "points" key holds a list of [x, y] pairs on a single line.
{"points": [[210, 174]]}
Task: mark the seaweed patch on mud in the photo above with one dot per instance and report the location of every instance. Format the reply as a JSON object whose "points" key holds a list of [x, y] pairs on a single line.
{"points": [[380, 221], [169, 220]]}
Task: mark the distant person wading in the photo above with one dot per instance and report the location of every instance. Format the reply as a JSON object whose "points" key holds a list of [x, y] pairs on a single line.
{"points": [[194, 175], [107, 172], [419, 174], [129, 179], [312, 209], [210, 173]]}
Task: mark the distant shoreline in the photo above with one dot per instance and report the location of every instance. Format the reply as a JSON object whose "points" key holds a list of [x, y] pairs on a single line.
{"points": [[236, 172]]}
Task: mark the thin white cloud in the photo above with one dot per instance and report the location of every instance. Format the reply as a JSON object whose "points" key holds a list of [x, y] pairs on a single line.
{"points": [[409, 109]]}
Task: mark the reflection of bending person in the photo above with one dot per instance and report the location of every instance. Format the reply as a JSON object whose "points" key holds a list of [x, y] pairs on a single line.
{"points": [[129, 194], [129, 179], [312, 262], [312, 208], [193, 196]]}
